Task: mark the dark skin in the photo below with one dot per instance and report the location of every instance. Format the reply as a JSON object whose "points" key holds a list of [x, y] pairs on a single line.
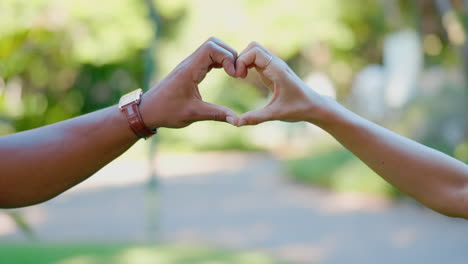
{"points": [[42, 163], [429, 176], [39, 164]]}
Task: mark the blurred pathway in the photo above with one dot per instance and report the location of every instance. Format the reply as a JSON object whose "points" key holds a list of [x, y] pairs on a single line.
{"points": [[244, 201]]}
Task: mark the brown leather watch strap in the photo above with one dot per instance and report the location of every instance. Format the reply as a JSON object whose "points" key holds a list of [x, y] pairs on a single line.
{"points": [[132, 112]]}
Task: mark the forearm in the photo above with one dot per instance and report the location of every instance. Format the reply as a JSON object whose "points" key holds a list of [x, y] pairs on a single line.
{"points": [[41, 163], [431, 177]]}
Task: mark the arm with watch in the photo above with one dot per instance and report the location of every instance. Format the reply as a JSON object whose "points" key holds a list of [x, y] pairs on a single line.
{"points": [[38, 164]]}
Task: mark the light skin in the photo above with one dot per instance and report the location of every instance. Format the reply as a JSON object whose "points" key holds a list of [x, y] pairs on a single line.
{"points": [[37, 165], [429, 176], [42, 163]]}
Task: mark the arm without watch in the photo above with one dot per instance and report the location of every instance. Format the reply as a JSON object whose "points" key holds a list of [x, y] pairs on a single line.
{"points": [[431, 177]]}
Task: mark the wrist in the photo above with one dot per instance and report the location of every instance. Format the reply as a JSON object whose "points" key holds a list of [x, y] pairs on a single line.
{"points": [[129, 105], [149, 114], [117, 118], [328, 114]]}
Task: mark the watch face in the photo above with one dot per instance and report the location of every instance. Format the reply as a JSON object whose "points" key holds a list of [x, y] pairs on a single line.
{"points": [[132, 97]]}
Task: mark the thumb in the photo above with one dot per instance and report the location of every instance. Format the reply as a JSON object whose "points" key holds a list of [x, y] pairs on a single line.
{"points": [[256, 117], [208, 111]]}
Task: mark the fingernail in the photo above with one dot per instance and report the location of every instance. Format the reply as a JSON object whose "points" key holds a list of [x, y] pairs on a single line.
{"points": [[230, 120]]}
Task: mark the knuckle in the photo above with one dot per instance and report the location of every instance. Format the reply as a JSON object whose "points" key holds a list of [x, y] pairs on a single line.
{"points": [[217, 116], [212, 39], [209, 45], [229, 56], [257, 50], [254, 44], [249, 120]]}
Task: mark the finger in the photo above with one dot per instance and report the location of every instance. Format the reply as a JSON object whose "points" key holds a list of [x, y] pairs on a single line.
{"points": [[256, 117], [207, 111], [243, 72], [211, 55], [255, 57], [224, 45], [255, 44]]}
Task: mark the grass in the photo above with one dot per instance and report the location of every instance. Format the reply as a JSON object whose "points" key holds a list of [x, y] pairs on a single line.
{"points": [[123, 254], [339, 170]]}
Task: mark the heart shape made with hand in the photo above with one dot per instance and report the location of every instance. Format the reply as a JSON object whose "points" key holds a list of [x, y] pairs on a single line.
{"points": [[177, 101]]}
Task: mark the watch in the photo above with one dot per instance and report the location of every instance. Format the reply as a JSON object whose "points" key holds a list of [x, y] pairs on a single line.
{"points": [[128, 104]]}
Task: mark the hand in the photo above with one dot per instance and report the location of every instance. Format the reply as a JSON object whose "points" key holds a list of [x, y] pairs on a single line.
{"points": [[175, 102], [292, 100]]}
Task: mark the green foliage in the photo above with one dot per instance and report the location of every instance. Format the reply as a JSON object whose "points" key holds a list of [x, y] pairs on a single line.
{"points": [[339, 170], [461, 152], [59, 59], [317, 169], [95, 32], [135, 254], [63, 58], [433, 121], [205, 136]]}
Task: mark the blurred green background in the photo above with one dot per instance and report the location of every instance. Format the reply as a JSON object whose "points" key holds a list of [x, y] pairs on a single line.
{"points": [[125, 254], [60, 59], [402, 64]]}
